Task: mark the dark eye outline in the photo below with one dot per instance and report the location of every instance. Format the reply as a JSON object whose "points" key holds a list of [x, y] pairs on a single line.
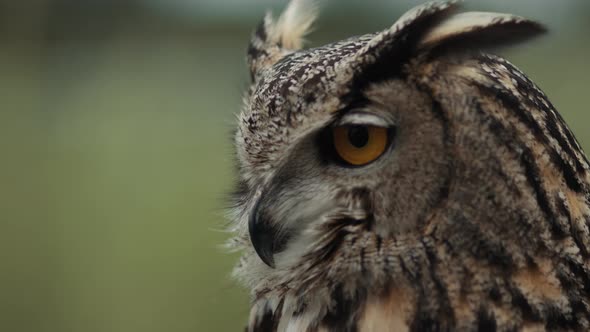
{"points": [[329, 155]]}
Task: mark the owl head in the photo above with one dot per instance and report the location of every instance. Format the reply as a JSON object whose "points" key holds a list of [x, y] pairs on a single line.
{"points": [[362, 161]]}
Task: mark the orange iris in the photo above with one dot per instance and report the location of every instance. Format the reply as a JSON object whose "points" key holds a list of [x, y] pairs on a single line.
{"points": [[358, 144]]}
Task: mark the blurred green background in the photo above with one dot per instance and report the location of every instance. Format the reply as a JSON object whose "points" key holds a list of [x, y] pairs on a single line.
{"points": [[116, 152]]}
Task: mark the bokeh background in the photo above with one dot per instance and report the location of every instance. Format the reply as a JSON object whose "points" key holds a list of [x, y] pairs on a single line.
{"points": [[116, 155]]}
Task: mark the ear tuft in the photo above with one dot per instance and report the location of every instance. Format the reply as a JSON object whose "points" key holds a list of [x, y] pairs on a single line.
{"points": [[479, 30], [404, 33], [295, 23], [384, 54], [272, 40]]}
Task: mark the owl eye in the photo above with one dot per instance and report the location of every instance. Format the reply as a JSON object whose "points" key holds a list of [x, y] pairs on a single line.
{"points": [[359, 145]]}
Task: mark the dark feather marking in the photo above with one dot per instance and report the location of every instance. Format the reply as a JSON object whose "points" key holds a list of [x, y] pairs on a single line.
{"points": [[569, 173], [581, 274], [486, 322], [254, 52], [448, 140], [439, 112], [338, 231], [534, 179], [394, 55], [483, 247], [300, 309], [362, 256], [572, 178], [270, 321], [495, 294], [437, 108], [511, 102], [266, 324], [554, 121], [520, 302], [511, 141], [557, 227], [556, 318], [564, 209], [411, 266], [579, 307], [527, 158], [572, 282], [324, 253], [563, 142], [424, 319], [506, 137], [278, 314], [443, 297], [261, 31], [572, 139], [575, 281], [343, 316]]}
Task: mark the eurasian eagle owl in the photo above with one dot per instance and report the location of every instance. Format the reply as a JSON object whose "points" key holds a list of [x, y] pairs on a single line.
{"points": [[405, 181]]}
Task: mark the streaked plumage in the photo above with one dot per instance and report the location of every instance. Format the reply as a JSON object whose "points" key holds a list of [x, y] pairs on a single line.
{"points": [[474, 219]]}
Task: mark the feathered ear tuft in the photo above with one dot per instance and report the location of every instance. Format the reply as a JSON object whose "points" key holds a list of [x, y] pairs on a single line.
{"points": [[476, 30], [295, 23], [429, 28], [385, 53], [273, 40]]}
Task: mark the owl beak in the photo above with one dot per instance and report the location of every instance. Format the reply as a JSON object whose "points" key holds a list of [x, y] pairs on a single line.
{"points": [[265, 236], [261, 237]]}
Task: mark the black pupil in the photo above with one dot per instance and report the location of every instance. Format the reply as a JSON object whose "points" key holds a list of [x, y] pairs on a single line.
{"points": [[358, 136]]}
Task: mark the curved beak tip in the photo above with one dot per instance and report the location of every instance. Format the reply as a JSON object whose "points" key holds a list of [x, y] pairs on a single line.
{"points": [[263, 237]]}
